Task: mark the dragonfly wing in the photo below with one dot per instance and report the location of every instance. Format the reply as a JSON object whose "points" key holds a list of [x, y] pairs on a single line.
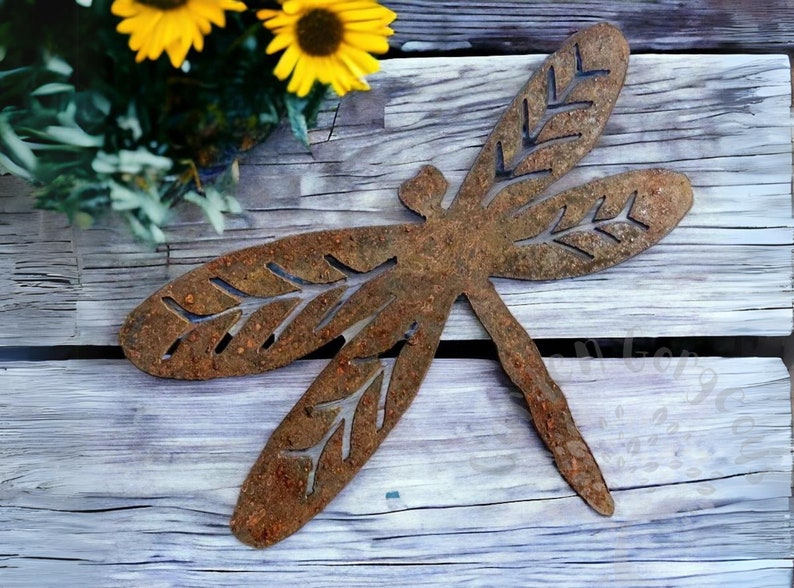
{"points": [[547, 404], [554, 121], [594, 226], [263, 307], [342, 418]]}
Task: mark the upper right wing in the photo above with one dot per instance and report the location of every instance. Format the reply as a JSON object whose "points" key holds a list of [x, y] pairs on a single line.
{"points": [[552, 123]]}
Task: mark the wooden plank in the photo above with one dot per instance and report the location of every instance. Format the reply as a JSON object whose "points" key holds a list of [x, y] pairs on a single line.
{"points": [[494, 26], [111, 477], [724, 120]]}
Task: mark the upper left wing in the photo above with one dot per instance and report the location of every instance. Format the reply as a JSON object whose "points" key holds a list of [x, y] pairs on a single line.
{"points": [[263, 307]]}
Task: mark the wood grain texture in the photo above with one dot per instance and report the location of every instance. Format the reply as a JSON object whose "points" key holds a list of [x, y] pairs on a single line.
{"points": [[111, 477], [726, 270], [494, 26]]}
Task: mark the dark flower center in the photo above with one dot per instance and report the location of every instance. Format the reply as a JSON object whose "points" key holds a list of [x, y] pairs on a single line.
{"points": [[164, 4], [320, 32]]}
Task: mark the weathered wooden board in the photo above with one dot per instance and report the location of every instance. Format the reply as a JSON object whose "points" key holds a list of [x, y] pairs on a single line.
{"points": [[724, 120], [496, 26], [111, 477]]}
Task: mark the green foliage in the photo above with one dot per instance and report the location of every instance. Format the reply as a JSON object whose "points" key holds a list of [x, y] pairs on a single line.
{"points": [[97, 132]]}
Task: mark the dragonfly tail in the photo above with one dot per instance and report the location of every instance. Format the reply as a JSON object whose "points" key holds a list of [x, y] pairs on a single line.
{"points": [[547, 404]]}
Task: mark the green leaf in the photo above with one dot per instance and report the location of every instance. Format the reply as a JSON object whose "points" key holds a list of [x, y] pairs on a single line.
{"points": [[151, 233], [214, 203], [149, 203], [52, 88], [216, 219], [157, 234], [233, 205], [313, 103], [130, 122], [16, 147], [74, 136], [123, 198], [302, 112], [210, 208], [16, 72], [143, 159], [59, 66], [104, 163], [297, 121], [101, 102], [131, 162], [6, 165]]}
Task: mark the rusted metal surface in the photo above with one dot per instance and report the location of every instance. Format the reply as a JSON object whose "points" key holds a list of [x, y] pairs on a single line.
{"points": [[389, 290]]}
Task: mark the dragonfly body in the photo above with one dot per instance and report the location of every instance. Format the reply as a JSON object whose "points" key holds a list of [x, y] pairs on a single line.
{"points": [[385, 292]]}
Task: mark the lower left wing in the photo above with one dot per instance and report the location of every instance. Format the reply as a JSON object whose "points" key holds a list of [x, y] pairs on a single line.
{"points": [[343, 417]]}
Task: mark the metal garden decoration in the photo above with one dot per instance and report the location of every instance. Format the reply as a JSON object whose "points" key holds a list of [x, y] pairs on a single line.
{"points": [[389, 290]]}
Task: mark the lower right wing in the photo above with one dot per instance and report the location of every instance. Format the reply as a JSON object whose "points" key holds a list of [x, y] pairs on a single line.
{"points": [[594, 226]]}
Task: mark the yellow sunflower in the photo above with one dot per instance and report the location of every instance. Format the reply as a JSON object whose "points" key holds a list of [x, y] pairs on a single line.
{"points": [[329, 41], [172, 26]]}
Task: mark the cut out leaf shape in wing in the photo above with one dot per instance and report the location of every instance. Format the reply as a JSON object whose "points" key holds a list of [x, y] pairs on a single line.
{"points": [[388, 290], [342, 419], [262, 307], [594, 226], [552, 123]]}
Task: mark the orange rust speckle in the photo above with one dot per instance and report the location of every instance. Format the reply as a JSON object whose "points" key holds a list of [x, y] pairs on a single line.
{"points": [[189, 299]]}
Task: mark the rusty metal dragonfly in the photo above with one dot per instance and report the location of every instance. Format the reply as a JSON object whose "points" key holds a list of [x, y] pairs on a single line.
{"points": [[388, 290]]}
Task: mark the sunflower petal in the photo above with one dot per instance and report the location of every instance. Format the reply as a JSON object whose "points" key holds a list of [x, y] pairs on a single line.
{"points": [[267, 13], [367, 42], [376, 14], [233, 5], [177, 51], [125, 8], [360, 62], [280, 42], [175, 30], [307, 77], [286, 65]]}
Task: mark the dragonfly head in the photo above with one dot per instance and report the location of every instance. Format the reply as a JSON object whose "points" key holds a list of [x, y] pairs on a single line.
{"points": [[424, 192]]}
